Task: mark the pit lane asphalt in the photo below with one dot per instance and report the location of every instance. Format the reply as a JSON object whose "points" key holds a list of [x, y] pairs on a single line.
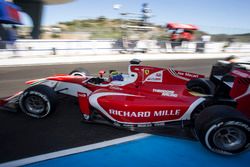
{"points": [[22, 136]]}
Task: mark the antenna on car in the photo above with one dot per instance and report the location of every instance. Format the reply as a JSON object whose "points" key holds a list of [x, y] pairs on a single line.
{"points": [[135, 61]]}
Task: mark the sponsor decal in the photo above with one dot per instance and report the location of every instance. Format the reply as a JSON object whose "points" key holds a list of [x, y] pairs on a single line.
{"points": [[116, 124], [146, 72], [187, 74], [129, 113], [166, 112], [144, 114], [239, 124], [169, 93], [140, 125], [159, 124], [155, 77], [115, 87], [144, 125], [128, 125]]}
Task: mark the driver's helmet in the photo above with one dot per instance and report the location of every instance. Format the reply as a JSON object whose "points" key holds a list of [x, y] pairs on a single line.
{"points": [[115, 76]]}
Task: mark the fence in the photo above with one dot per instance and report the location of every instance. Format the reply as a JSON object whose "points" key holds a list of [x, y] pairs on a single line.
{"points": [[76, 47]]}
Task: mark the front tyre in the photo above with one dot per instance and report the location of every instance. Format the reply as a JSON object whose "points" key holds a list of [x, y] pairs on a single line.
{"points": [[79, 72], [38, 101], [223, 130]]}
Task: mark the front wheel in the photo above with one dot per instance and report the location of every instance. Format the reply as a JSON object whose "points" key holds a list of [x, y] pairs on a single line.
{"points": [[79, 72], [38, 101], [223, 130]]}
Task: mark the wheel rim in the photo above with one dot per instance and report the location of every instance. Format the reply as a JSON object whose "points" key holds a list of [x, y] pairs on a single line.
{"points": [[34, 104], [78, 74], [229, 138]]}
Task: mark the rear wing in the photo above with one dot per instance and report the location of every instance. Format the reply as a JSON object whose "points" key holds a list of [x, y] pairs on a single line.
{"points": [[224, 75], [233, 82], [241, 85]]}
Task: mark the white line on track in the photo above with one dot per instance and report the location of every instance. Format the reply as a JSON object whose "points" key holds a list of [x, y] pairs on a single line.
{"points": [[71, 151]]}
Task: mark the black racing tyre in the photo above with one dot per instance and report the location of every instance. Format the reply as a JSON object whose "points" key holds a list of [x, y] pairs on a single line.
{"points": [[201, 85], [223, 130], [38, 101], [79, 72]]}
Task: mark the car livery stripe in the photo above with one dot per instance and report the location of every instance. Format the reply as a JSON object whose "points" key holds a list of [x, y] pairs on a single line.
{"points": [[71, 88], [172, 72], [244, 94], [191, 108]]}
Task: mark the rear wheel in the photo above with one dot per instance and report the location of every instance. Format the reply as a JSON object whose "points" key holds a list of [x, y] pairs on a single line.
{"points": [[38, 101], [201, 85], [223, 130]]}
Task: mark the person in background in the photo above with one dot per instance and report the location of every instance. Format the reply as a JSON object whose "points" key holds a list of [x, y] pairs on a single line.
{"points": [[12, 36], [3, 37]]}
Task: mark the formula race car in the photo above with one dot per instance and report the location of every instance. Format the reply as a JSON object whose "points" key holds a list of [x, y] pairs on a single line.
{"points": [[216, 109]]}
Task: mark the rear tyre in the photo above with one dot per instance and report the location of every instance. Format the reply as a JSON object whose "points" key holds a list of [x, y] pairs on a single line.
{"points": [[201, 85], [38, 101], [79, 72], [223, 130]]}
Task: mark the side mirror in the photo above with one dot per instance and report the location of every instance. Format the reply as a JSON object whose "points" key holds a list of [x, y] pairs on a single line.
{"points": [[101, 73]]}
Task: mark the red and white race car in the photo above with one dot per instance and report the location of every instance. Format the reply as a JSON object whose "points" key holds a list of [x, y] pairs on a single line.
{"points": [[216, 108]]}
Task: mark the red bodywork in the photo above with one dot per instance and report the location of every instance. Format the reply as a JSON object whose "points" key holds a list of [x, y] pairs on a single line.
{"points": [[241, 90], [153, 95], [146, 95]]}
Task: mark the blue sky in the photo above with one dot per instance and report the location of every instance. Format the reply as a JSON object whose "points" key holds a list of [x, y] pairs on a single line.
{"points": [[231, 16]]}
